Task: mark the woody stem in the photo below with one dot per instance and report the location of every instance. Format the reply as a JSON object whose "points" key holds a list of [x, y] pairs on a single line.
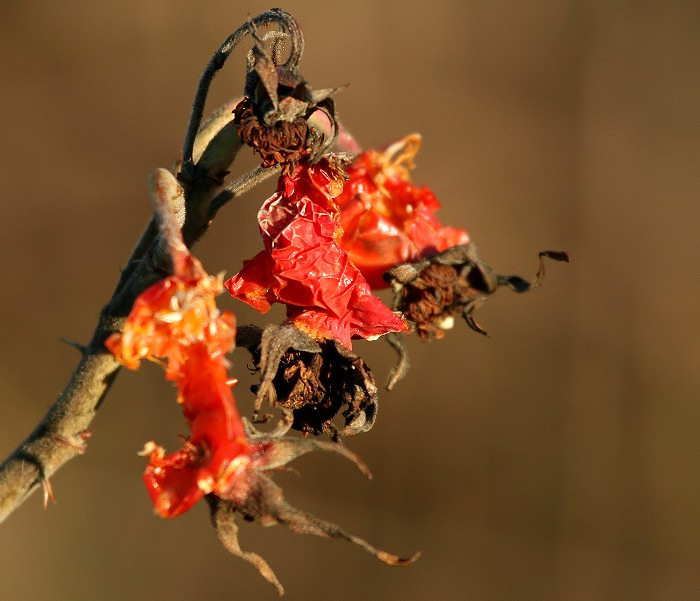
{"points": [[60, 435]]}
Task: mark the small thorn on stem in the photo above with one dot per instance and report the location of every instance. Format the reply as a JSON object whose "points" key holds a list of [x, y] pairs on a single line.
{"points": [[468, 315], [75, 441], [48, 491], [76, 345]]}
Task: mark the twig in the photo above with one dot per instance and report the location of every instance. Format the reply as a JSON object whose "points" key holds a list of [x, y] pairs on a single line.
{"points": [[241, 186], [60, 435]]}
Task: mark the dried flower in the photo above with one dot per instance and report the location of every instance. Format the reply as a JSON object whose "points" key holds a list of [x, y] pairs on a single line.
{"points": [[314, 380], [303, 266], [431, 292], [272, 118], [386, 219], [282, 143]]}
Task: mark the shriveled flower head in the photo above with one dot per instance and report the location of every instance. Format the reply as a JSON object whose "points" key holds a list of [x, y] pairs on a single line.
{"points": [[386, 219], [275, 117], [326, 387], [432, 292], [303, 267]]}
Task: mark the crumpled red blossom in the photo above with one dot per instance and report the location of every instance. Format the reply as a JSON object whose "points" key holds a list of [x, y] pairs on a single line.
{"points": [[176, 320], [303, 266], [386, 219], [172, 315]]}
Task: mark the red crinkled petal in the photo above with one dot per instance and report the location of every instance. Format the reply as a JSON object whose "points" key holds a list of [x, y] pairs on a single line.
{"points": [[253, 283], [171, 481], [386, 219], [303, 267], [216, 451]]}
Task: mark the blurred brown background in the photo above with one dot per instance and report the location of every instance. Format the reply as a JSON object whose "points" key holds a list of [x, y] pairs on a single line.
{"points": [[556, 460]]}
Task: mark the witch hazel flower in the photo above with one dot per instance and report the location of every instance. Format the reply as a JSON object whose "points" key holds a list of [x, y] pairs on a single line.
{"points": [[386, 219], [304, 267]]}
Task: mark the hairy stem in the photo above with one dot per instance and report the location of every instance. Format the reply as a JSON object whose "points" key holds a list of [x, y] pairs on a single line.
{"points": [[61, 434], [241, 186]]}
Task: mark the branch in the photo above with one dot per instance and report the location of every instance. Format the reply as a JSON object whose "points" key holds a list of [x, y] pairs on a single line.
{"points": [[62, 433], [209, 150], [242, 185]]}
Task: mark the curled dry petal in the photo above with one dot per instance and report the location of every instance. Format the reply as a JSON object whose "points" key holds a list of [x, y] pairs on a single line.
{"points": [[223, 518], [303, 266], [386, 219]]}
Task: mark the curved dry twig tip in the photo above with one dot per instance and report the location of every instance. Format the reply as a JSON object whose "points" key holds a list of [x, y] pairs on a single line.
{"points": [[400, 368], [519, 284], [223, 518], [468, 314], [395, 560], [302, 522], [335, 447]]}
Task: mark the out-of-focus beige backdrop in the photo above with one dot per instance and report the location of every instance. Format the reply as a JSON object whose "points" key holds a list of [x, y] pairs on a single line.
{"points": [[556, 460]]}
